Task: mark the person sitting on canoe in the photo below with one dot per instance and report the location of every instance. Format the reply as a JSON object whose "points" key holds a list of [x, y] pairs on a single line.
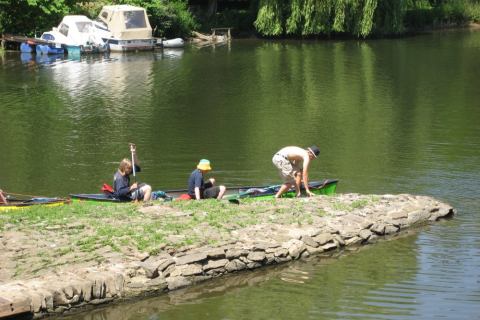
{"points": [[121, 181], [287, 161], [197, 189]]}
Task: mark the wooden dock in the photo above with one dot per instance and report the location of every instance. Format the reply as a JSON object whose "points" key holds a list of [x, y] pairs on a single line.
{"points": [[218, 35], [13, 42]]}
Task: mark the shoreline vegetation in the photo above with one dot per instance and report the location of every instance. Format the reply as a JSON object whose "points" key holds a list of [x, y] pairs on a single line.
{"points": [[71, 258], [258, 18]]}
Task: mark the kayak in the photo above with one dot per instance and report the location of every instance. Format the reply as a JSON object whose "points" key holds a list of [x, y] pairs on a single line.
{"points": [[11, 204], [326, 187]]}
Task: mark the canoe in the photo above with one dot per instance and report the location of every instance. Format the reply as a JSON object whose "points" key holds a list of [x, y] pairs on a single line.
{"points": [[326, 187]]}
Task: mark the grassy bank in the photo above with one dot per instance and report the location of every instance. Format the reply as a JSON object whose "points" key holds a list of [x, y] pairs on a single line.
{"points": [[43, 238]]}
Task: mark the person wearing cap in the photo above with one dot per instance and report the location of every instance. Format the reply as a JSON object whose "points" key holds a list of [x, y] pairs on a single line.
{"points": [[287, 161], [197, 189]]}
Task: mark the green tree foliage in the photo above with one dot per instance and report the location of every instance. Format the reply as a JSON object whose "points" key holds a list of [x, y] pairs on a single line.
{"points": [[25, 16], [306, 17]]}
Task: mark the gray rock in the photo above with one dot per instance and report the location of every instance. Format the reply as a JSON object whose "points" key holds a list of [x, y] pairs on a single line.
{"points": [[323, 238], [191, 258], [283, 259], [216, 254], [150, 270], [256, 256], [263, 246], [214, 264], [177, 282], [398, 214], [254, 265], [295, 248], [234, 254], [235, 265], [159, 282], [192, 270], [391, 229], [393, 222], [349, 232], [339, 240], [58, 295], [353, 240], [416, 216], [329, 246], [281, 253], [309, 241], [378, 228], [440, 212], [365, 234], [164, 264], [215, 272]]}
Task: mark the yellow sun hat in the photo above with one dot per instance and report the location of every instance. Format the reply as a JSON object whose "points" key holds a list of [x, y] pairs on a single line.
{"points": [[204, 165]]}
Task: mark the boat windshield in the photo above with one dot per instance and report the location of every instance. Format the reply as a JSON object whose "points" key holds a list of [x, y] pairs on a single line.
{"points": [[99, 22], [135, 19], [84, 26], [63, 29]]}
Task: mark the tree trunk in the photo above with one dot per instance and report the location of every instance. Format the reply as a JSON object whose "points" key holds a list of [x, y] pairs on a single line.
{"points": [[211, 9]]}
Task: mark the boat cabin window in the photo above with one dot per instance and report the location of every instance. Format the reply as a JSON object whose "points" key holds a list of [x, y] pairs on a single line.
{"points": [[63, 29], [135, 19], [48, 37], [104, 15]]}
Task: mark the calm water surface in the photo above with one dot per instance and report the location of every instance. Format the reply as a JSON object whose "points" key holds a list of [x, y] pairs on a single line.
{"points": [[390, 116]]}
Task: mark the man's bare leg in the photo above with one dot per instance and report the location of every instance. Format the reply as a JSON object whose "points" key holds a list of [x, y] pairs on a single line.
{"points": [[283, 189], [298, 182], [222, 192]]}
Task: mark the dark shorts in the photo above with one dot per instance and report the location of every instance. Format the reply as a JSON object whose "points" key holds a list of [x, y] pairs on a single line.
{"points": [[211, 192]]}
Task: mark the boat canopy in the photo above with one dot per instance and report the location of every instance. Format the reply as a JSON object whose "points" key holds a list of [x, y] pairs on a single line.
{"points": [[125, 22]]}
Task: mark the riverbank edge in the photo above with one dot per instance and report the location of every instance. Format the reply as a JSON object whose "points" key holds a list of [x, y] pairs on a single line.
{"points": [[249, 248]]}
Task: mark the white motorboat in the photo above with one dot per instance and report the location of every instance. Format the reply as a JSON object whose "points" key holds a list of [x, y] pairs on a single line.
{"points": [[125, 28], [77, 34]]}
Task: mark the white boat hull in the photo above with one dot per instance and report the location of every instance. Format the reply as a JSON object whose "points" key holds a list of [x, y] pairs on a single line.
{"points": [[117, 45]]}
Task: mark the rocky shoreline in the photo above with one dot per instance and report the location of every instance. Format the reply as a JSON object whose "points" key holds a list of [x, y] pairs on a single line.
{"points": [[286, 230]]}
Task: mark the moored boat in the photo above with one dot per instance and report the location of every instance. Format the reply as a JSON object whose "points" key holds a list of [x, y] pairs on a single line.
{"points": [[6, 203], [326, 187], [77, 34], [125, 28]]}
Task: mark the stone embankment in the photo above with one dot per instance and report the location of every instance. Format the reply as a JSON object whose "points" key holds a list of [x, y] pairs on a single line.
{"points": [[333, 223]]}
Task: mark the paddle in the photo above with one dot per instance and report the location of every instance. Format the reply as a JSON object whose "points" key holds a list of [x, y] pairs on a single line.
{"points": [[132, 149]]}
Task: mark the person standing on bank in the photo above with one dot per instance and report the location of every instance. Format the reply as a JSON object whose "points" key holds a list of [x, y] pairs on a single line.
{"points": [[287, 161], [197, 189], [121, 181]]}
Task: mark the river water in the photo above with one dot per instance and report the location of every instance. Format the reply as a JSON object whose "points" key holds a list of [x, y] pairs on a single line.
{"points": [[389, 116]]}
